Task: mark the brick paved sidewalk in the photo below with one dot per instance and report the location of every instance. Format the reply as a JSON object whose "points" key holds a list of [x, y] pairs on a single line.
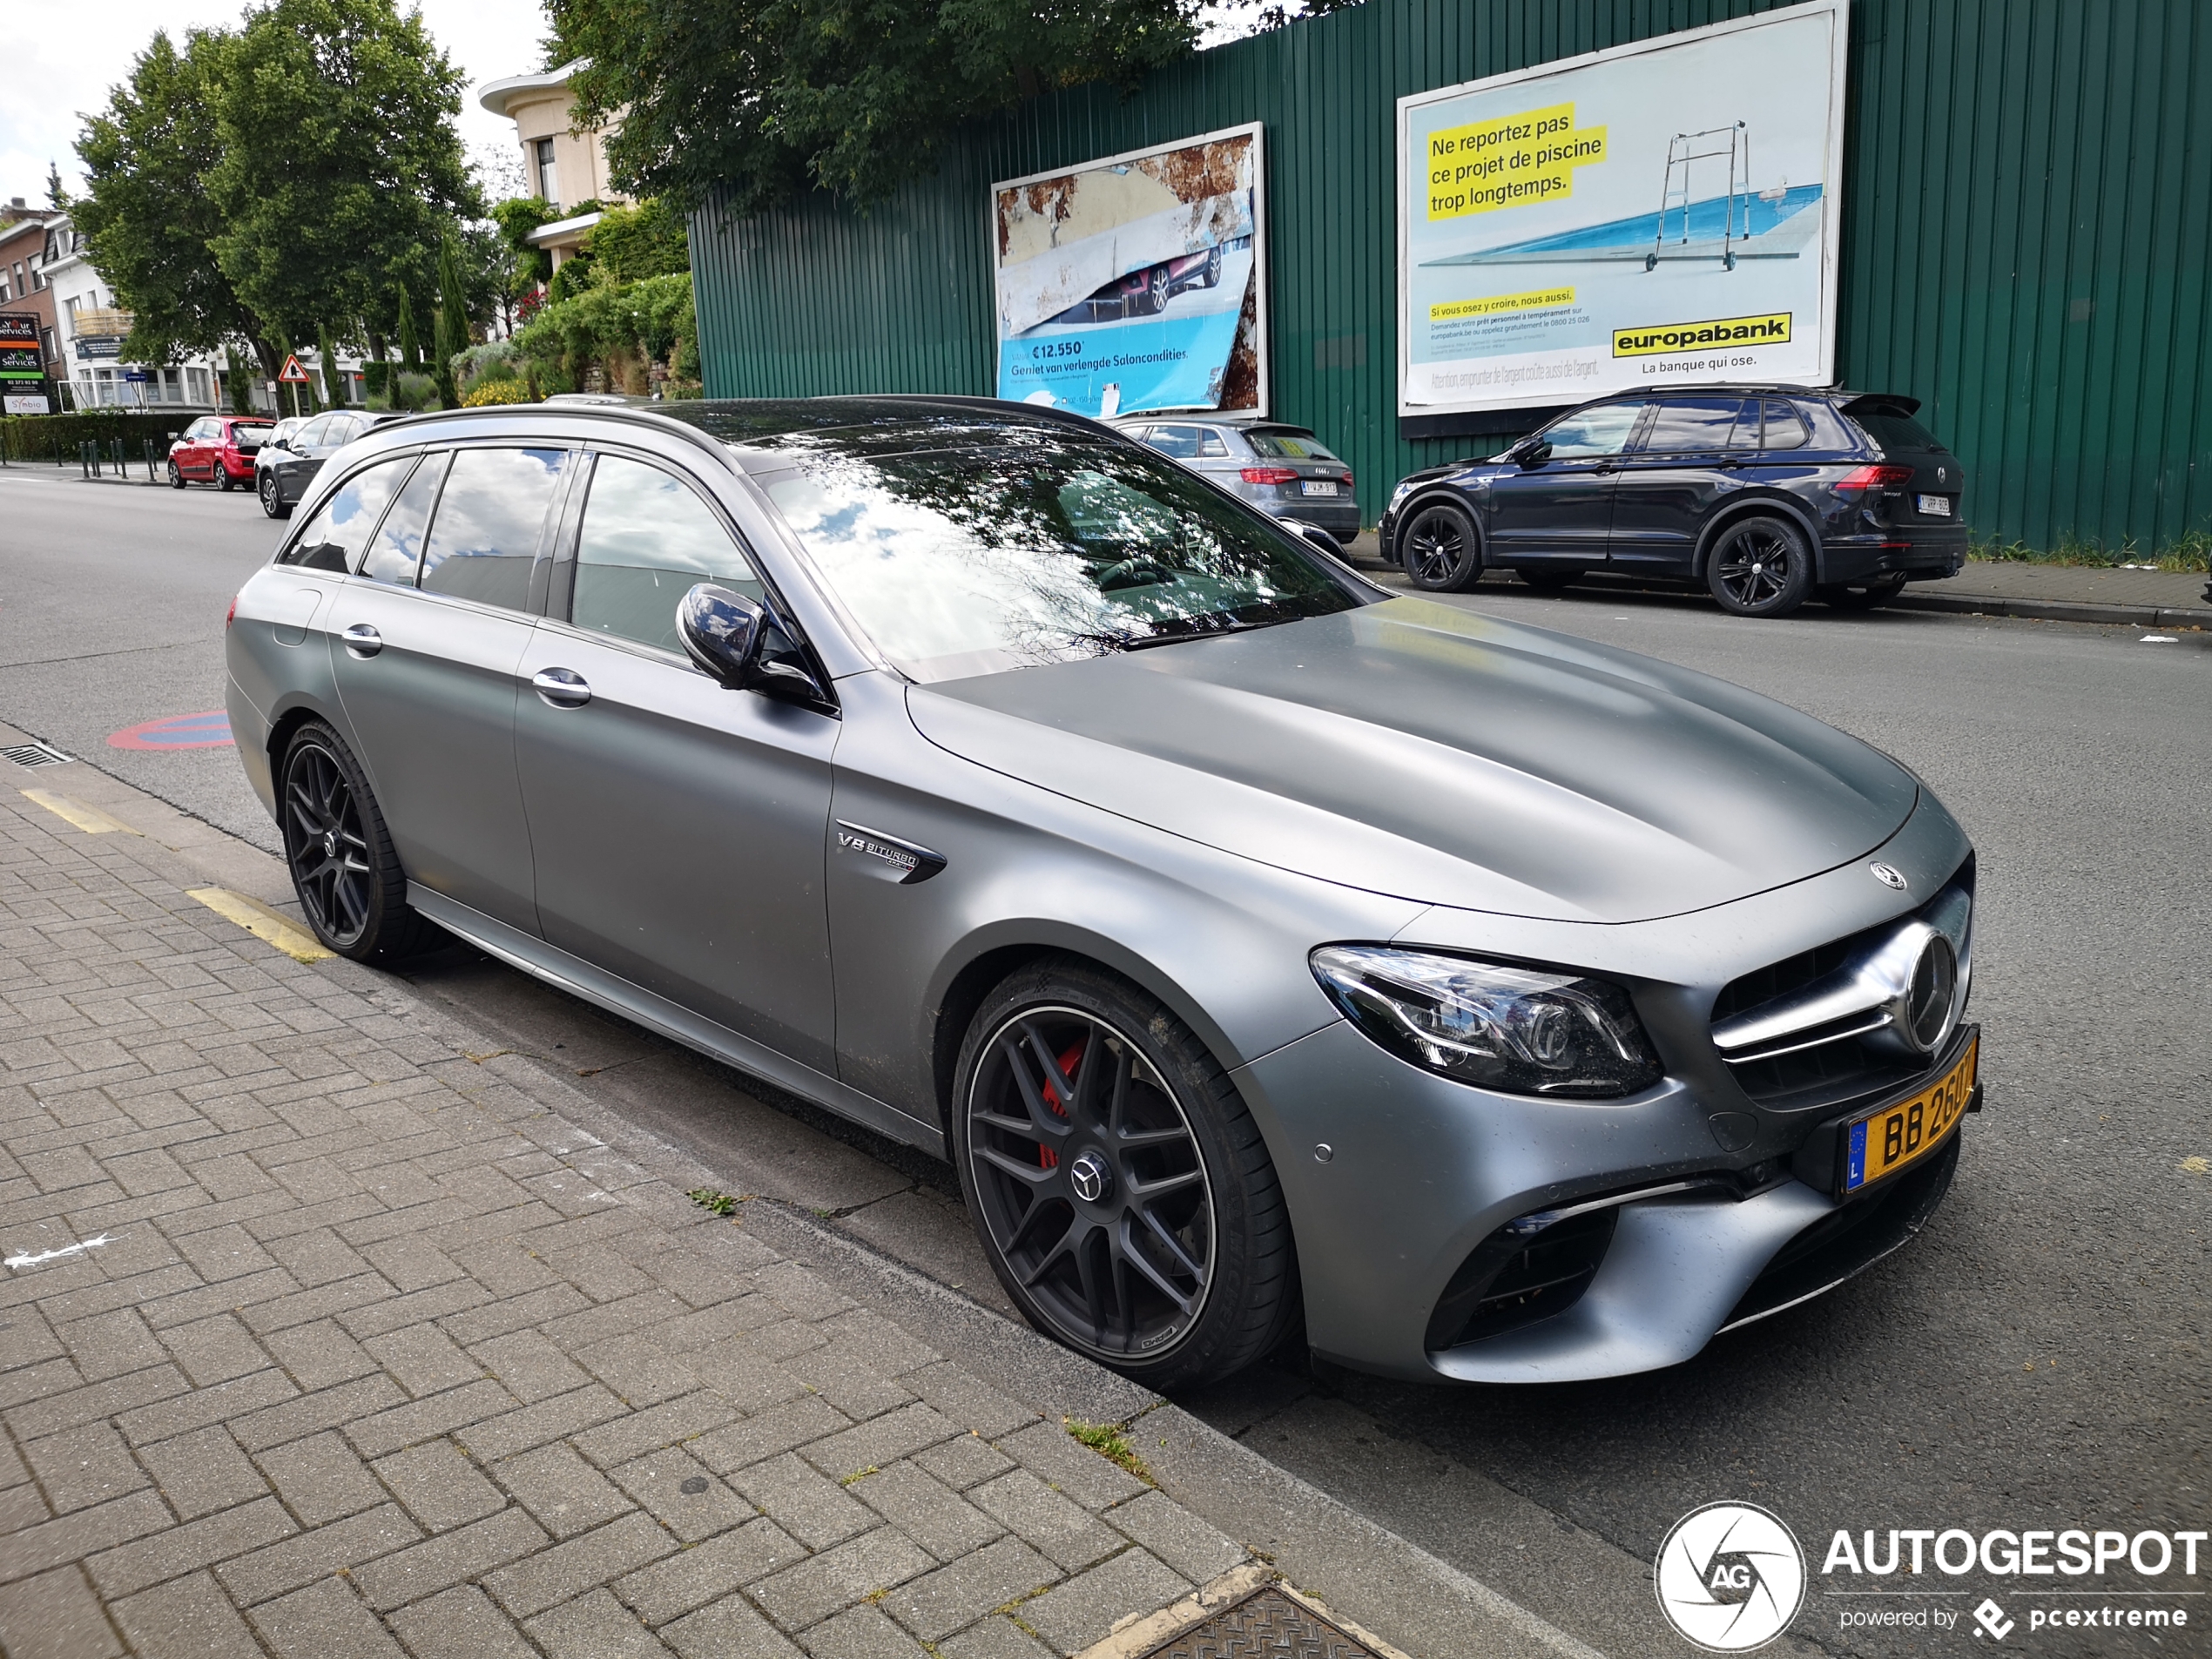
{"points": [[320, 1335]]}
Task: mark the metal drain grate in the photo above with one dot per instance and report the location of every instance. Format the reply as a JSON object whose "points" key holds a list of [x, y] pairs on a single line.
{"points": [[1266, 1624], [34, 754]]}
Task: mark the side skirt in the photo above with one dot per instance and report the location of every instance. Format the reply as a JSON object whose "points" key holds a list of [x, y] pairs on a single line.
{"points": [[578, 978]]}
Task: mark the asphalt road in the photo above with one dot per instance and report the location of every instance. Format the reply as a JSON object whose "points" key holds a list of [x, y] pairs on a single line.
{"points": [[2036, 1360]]}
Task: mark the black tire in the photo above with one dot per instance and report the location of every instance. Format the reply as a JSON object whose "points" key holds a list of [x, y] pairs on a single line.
{"points": [[1109, 1271], [1550, 581], [176, 476], [1862, 596], [1760, 567], [272, 502], [343, 867], [1440, 549], [224, 481]]}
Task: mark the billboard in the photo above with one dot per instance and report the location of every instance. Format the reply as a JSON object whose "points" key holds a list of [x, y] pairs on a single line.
{"points": [[20, 356], [1661, 213], [1138, 282]]}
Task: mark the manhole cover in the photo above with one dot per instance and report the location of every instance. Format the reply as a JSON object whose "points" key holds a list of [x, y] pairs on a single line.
{"points": [[1266, 1624]]}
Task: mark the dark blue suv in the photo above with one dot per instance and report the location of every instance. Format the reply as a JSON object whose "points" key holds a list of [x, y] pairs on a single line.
{"points": [[1767, 496]]}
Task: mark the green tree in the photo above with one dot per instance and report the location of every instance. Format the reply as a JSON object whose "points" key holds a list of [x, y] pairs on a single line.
{"points": [[647, 240], [410, 347], [333, 383], [149, 210], [762, 99], [238, 376], [56, 197], [453, 320], [341, 165]]}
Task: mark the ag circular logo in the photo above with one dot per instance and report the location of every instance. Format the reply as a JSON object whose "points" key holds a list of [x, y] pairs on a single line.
{"points": [[1731, 1577]]}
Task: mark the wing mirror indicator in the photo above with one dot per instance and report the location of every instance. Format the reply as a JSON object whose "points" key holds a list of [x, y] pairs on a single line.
{"points": [[737, 642]]}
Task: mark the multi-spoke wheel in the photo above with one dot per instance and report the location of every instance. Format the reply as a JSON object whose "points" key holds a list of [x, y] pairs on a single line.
{"points": [[1118, 1183], [1440, 549], [343, 868], [272, 498], [1760, 567]]}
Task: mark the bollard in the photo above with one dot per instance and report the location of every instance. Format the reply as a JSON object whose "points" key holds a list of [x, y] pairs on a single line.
{"points": [[122, 462], [147, 443]]}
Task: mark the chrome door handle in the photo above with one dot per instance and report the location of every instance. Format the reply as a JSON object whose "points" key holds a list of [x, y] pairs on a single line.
{"points": [[363, 640], [561, 688]]}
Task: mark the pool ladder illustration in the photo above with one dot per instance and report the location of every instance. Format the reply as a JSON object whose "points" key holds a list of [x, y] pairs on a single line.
{"points": [[1681, 149]]}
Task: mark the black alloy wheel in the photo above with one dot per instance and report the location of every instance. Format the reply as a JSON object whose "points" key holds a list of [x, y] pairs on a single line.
{"points": [[1863, 596], [176, 474], [1760, 567], [1117, 1182], [272, 498], [1440, 549], [343, 867]]}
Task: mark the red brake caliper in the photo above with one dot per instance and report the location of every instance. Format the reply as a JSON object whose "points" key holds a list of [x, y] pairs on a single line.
{"points": [[1047, 1158]]}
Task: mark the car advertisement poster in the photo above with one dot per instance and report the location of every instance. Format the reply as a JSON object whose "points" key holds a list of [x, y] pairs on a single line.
{"points": [[1660, 214], [1136, 282]]}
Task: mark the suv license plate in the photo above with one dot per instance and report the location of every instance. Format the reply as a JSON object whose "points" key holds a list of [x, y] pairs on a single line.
{"points": [[1891, 1137], [1319, 487], [1936, 506]]}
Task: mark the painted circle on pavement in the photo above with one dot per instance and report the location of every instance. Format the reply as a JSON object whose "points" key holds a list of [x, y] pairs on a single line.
{"points": [[209, 731]]}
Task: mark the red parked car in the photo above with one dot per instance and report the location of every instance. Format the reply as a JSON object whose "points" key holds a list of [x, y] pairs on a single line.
{"points": [[218, 449]]}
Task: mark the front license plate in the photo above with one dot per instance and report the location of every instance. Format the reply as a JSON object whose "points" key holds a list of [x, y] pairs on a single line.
{"points": [[1893, 1137], [1936, 506], [1319, 486]]}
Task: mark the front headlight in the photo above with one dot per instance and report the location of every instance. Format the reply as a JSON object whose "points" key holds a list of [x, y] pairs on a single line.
{"points": [[1515, 1030]]}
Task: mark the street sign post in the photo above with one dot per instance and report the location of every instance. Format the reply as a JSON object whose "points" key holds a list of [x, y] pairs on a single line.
{"points": [[292, 375]]}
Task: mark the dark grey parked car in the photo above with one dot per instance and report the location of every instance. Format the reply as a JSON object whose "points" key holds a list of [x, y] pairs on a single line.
{"points": [[287, 463], [1284, 470], [1258, 944]]}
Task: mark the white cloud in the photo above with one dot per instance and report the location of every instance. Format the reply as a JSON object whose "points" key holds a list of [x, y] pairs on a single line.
{"points": [[64, 55]]}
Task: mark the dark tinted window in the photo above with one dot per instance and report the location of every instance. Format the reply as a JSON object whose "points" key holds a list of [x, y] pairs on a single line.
{"points": [[398, 547], [647, 540], [1035, 546], [1693, 423], [340, 527], [490, 519], [1785, 428], [1895, 433], [1601, 431], [1181, 441]]}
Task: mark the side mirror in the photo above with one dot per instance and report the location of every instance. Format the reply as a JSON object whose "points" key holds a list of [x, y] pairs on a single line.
{"points": [[737, 642], [1531, 452]]}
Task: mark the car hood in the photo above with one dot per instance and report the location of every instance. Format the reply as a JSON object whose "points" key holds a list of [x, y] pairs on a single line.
{"points": [[1432, 753]]}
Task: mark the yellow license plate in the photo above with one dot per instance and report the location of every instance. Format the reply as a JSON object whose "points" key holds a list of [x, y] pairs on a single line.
{"points": [[1891, 1137]]}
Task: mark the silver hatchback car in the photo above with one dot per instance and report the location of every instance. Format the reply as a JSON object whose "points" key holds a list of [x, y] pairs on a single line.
{"points": [[1261, 946], [1285, 471]]}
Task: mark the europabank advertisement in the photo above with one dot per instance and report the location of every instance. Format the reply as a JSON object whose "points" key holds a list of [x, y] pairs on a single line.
{"points": [[1136, 282], [1663, 214]]}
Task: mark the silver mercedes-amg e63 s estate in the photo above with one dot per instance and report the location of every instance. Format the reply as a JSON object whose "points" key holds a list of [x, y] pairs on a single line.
{"points": [[1262, 947]]}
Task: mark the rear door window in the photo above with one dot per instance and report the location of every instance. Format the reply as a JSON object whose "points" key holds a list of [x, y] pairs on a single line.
{"points": [[491, 519], [647, 539], [1696, 425], [340, 528], [397, 549], [1210, 445]]}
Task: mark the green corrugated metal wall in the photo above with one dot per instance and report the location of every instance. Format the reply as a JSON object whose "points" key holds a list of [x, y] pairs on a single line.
{"points": [[2027, 201]]}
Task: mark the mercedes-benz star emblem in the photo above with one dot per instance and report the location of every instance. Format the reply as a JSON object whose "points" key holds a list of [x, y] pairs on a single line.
{"points": [[1927, 999], [1890, 876], [1731, 1577], [1089, 1176]]}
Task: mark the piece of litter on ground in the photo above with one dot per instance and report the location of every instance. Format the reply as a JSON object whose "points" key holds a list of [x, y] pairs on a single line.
{"points": [[52, 1254], [2158, 639]]}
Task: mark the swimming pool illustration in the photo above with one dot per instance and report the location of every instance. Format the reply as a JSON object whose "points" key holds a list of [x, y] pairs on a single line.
{"points": [[1744, 225]]}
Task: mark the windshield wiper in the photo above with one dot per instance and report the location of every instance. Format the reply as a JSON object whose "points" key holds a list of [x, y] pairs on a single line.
{"points": [[1145, 642]]}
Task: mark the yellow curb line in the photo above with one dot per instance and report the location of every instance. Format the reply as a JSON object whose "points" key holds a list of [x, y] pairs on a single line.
{"points": [[90, 820], [262, 922]]}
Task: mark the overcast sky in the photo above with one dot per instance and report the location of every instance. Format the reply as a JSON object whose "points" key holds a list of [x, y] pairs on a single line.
{"points": [[64, 55]]}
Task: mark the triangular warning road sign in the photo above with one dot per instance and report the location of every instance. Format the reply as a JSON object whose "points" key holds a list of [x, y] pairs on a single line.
{"points": [[291, 374]]}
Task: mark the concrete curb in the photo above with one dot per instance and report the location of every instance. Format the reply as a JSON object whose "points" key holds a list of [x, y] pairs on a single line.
{"points": [[1985, 604]]}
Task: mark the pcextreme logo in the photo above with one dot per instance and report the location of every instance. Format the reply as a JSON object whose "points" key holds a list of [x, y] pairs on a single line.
{"points": [[1731, 1577]]}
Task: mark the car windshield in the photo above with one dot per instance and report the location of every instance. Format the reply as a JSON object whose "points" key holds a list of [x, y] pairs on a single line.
{"points": [[1288, 443], [970, 551]]}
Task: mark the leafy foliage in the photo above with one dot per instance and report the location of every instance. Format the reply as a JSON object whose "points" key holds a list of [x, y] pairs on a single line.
{"points": [[619, 328], [516, 219], [764, 98], [633, 243]]}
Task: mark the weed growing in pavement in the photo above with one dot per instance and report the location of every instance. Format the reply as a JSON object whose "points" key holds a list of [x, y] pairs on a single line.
{"points": [[2190, 551], [1111, 1441], [721, 1203]]}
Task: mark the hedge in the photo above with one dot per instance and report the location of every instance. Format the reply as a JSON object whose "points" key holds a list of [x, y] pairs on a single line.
{"points": [[35, 438]]}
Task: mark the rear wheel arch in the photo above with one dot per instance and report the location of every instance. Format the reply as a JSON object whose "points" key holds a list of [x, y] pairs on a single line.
{"points": [[1773, 506]]}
